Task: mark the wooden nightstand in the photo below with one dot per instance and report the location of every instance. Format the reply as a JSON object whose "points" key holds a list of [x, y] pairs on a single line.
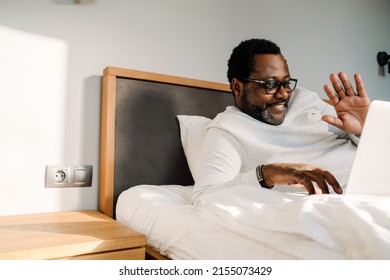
{"points": [[88, 235]]}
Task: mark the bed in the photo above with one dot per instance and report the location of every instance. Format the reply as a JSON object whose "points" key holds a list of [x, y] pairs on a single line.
{"points": [[151, 134]]}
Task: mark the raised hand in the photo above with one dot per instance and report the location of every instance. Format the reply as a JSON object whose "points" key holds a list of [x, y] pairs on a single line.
{"points": [[351, 106]]}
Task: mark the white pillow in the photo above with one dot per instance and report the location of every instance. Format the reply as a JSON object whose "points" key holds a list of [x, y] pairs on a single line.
{"points": [[192, 132]]}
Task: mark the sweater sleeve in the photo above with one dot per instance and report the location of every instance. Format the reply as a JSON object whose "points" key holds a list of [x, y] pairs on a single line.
{"points": [[222, 161]]}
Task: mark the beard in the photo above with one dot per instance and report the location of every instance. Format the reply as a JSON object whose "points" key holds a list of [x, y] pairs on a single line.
{"points": [[263, 113]]}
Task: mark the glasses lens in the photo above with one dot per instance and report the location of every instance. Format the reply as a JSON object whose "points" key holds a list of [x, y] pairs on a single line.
{"points": [[290, 85], [271, 86]]}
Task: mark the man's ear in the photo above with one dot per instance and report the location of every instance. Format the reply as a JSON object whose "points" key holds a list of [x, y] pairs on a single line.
{"points": [[237, 87]]}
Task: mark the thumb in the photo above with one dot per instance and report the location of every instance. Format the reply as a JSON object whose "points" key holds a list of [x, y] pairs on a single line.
{"points": [[332, 120]]}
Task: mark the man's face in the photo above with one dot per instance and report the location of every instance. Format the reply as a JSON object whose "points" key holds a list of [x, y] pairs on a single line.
{"points": [[254, 101]]}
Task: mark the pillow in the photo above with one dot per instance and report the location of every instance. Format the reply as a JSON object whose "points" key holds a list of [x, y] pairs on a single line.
{"points": [[192, 132]]}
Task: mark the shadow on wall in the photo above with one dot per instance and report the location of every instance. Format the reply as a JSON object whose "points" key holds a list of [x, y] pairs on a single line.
{"points": [[90, 130], [72, 2]]}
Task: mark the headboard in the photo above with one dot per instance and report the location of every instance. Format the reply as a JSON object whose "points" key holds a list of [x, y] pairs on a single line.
{"points": [[140, 135]]}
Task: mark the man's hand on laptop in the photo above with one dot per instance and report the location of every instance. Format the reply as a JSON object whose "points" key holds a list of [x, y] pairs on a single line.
{"points": [[303, 175]]}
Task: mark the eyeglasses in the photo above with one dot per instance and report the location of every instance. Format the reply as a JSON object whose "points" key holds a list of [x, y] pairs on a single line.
{"points": [[272, 86]]}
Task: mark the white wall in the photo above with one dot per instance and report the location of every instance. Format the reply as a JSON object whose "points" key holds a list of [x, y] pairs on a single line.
{"points": [[52, 54]]}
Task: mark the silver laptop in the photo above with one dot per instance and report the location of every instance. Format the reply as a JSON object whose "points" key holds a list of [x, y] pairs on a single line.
{"points": [[370, 173]]}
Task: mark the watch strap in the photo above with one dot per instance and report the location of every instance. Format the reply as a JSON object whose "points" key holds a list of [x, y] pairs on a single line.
{"points": [[259, 174]]}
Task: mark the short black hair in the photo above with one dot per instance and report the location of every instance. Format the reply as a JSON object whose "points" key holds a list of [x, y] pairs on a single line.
{"points": [[240, 64]]}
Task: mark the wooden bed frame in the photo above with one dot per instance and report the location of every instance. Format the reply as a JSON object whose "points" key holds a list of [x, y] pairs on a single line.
{"points": [[140, 135]]}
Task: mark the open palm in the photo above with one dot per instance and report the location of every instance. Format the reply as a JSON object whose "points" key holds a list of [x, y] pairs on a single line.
{"points": [[351, 107]]}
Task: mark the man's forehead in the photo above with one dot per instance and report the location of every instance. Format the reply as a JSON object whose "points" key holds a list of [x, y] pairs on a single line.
{"points": [[270, 66]]}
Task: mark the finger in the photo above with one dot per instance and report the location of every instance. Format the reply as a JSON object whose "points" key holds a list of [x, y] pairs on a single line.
{"points": [[348, 89], [331, 180], [334, 99], [332, 120], [337, 85], [360, 86], [306, 182], [320, 181], [308, 185]]}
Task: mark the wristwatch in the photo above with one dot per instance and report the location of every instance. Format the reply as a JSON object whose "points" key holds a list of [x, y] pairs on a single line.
{"points": [[259, 173]]}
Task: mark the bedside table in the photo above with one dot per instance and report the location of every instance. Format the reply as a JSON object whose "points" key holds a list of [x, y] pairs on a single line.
{"points": [[88, 235]]}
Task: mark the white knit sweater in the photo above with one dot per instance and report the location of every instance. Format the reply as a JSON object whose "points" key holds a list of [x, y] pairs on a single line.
{"points": [[235, 144]]}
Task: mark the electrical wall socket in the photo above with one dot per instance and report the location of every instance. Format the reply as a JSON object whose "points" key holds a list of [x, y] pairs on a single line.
{"points": [[65, 176]]}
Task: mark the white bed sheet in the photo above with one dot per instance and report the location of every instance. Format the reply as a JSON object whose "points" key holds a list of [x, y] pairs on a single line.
{"points": [[247, 222]]}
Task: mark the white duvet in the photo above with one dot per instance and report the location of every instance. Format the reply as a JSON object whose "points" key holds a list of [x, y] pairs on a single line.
{"points": [[248, 222]]}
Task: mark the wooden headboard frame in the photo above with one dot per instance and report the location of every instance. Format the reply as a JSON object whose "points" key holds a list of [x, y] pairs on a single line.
{"points": [[120, 83]]}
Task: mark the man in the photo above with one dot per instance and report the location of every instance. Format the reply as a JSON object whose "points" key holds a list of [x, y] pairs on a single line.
{"points": [[278, 134]]}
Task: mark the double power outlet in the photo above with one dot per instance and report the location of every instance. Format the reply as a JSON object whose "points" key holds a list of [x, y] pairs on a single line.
{"points": [[63, 176]]}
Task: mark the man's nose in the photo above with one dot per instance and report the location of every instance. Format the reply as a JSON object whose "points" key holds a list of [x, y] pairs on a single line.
{"points": [[282, 93]]}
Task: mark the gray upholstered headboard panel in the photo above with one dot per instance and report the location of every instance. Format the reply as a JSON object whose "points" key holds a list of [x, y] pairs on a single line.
{"points": [[140, 137]]}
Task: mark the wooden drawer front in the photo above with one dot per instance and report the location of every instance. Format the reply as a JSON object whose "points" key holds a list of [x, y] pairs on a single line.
{"points": [[130, 254]]}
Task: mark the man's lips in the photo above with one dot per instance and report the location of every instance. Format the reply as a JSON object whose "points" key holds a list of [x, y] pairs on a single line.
{"points": [[277, 107]]}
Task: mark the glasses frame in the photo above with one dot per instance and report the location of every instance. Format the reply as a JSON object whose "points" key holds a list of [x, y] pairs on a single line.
{"points": [[278, 83]]}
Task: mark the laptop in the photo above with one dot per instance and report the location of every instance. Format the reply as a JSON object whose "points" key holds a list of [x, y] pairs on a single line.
{"points": [[370, 174]]}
